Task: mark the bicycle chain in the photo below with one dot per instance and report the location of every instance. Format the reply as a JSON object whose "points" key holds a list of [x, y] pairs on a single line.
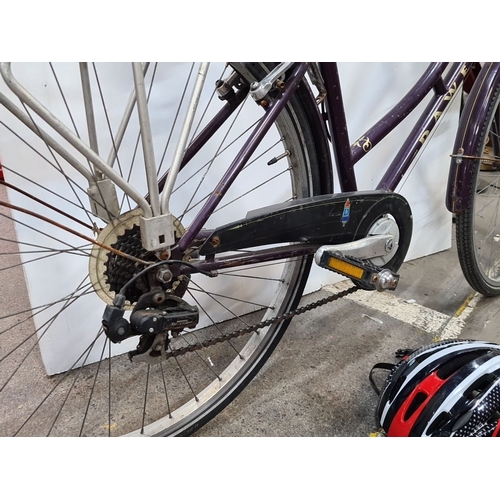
{"points": [[253, 328], [121, 270]]}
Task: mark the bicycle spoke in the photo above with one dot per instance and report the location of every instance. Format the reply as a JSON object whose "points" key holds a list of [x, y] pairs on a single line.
{"points": [[109, 389], [63, 97], [259, 266], [82, 250], [249, 276], [47, 306], [57, 385], [45, 327], [107, 120], [250, 191], [205, 111], [214, 324], [51, 192], [196, 353], [214, 296], [186, 379], [51, 207], [166, 392], [93, 387], [210, 164], [239, 198], [75, 378], [132, 161], [206, 164], [145, 400], [57, 166], [176, 116], [53, 254]]}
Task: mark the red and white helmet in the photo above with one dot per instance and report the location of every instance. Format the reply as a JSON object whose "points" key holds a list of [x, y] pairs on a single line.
{"points": [[449, 388]]}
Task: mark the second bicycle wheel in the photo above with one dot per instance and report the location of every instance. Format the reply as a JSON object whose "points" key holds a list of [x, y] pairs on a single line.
{"points": [[59, 374], [478, 226]]}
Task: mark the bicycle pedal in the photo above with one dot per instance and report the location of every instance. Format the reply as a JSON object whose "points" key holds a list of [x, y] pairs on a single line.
{"points": [[357, 269]]}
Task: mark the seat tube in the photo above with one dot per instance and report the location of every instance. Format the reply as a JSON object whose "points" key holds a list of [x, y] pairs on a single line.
{"points": [[338, 127]]}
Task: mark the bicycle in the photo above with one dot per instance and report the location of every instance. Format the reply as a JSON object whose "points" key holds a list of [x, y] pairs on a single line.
{"points": [[192, 292]]}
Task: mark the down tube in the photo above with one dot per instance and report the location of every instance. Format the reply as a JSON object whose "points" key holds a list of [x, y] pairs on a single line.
{"points": [[272, 112]]}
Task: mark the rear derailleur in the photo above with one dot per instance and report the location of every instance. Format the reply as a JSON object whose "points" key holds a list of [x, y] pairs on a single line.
{"points": [[156, 317]]}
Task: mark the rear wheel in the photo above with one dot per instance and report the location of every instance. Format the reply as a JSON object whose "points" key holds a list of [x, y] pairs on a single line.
{"points": [[59, 374]]}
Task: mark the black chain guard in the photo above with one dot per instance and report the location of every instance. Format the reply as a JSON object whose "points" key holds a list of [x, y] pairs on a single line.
{"points": [[326, 219]]}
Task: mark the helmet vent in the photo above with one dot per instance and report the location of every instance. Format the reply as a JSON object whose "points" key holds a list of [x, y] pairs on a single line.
{"points": [[417, 401], [479, 386], [440, 421], [456, 363]]}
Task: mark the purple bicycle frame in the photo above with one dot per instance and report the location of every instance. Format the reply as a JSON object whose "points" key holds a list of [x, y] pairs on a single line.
{"points": [[346, 154]]}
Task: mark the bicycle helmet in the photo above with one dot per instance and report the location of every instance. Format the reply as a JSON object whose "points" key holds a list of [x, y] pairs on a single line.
{"points": [[449, 388]]}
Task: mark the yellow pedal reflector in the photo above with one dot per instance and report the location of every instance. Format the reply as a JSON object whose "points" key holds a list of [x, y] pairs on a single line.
{"points": [[345, 268]]}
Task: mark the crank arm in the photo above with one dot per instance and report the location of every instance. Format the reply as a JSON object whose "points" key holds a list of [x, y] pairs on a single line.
{"points": [[378, 245]]}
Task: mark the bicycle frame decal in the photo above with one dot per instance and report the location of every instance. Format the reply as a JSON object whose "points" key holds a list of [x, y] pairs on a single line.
{"points": [[366, 143], [346, 212]]}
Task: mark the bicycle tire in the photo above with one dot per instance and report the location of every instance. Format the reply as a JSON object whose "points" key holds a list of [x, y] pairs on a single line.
{"points": [[72, 401], [477, 230]]}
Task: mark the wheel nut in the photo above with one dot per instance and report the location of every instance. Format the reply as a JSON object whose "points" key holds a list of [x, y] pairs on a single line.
{"points": [[164, 275]]}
